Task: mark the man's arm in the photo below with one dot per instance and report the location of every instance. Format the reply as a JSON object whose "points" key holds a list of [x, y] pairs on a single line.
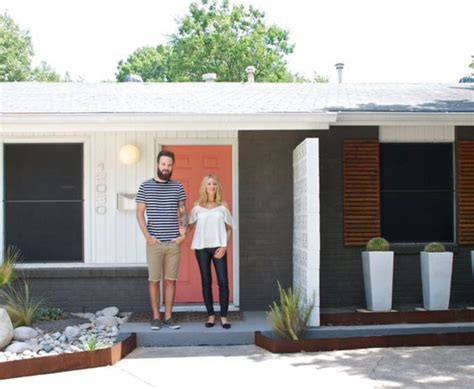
{"points": [[141, 208], [183, 222]]}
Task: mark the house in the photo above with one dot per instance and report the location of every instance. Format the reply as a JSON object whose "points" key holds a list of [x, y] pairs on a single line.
{"points": [[311, 171]]}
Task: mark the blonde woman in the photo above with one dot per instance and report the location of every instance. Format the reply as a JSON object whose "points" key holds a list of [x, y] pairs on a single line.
{"points": [[213, 228]]}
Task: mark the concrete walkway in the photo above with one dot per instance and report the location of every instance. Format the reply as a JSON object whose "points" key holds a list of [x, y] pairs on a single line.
{"points": [[251, 367]]}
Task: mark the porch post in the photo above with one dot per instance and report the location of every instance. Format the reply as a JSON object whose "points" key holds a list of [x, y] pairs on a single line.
{"points": [[306, 235]]}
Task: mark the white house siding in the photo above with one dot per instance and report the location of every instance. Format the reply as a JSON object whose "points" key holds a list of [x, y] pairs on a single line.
{"points": [[414, 134], [112, 237]]}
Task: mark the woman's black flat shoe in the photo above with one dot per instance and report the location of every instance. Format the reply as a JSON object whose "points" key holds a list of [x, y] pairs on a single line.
{"points": [[226, 326], [209, 324]]}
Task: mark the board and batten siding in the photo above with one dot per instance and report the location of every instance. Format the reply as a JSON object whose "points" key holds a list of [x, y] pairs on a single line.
{"points": [[416, 134], [112, 236]]}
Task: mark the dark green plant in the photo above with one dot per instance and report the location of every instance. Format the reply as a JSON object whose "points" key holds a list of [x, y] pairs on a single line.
{"points": [[47, 314], [7, 268], [20, 305], [378, 244], [435, 247], [290, 316]]}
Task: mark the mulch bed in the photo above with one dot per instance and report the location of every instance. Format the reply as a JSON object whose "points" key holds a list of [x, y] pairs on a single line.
{"points": [[184, 317]]}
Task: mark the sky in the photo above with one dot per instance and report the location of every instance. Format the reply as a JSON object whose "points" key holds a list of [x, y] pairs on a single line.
{"points": [[377, 40]]}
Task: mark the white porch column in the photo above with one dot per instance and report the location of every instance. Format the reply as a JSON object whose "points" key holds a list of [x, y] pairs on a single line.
{"points": [[306, 236]]}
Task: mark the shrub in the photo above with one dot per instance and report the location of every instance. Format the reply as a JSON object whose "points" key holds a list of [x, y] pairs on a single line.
{"points": [[47, 314], [378, 244], [7, 269], [19, 304], [435, 247], [289, 317]]}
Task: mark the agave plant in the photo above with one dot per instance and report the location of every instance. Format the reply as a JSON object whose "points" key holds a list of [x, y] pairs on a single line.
{"points": [[289, 317], [7, 268]]}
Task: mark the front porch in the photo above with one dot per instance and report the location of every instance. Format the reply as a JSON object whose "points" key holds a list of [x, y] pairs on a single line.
{"points": [[341, 329]]}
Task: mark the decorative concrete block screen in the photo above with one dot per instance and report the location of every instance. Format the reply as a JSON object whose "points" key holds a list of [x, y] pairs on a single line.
{"points": [[306, 236]]}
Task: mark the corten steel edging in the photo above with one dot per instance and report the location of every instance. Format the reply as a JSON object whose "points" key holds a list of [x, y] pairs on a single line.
{"points": [[66, 362], [412, 317], [414, 340]]}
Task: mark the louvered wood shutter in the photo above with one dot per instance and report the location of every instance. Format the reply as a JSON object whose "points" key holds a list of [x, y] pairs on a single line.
{"points": [[466, 191], [361, 191]]}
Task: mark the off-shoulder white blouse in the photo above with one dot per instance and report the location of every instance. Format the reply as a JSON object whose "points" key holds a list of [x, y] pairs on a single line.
{"points": [[210, 226]]}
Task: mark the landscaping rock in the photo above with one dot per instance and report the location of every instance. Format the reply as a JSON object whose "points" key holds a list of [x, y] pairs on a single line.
{"points": [[18, 347], [110, 311], [107, 321], [24, 333], [72, 333], [6, 329]]}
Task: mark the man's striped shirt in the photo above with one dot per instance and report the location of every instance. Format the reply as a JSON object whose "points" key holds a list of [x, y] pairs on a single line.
{"points": [[162, 202]]}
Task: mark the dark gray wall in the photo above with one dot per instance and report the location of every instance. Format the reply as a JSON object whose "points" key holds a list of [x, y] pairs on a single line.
{"points": [[266, 219]]}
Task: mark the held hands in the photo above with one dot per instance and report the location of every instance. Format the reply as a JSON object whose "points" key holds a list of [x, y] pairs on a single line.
{"points": [[220, 252]]}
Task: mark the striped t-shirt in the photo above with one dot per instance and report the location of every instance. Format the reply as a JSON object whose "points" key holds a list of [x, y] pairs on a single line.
{"points": [[162, 202]]}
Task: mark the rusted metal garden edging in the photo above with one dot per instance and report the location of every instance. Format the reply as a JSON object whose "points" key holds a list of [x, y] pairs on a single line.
{"points": [[274, 345], [396, 317], [72, 361]]}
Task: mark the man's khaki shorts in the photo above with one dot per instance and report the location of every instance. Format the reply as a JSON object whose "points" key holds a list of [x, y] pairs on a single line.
{"points": [[161, 255]]}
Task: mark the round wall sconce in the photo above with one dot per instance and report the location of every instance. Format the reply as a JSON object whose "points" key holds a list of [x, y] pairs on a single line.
{"points": [[129, 155]]}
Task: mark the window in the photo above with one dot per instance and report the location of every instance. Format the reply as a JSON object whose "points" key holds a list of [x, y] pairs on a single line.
{"points": [[417, 195], [44, 201]]}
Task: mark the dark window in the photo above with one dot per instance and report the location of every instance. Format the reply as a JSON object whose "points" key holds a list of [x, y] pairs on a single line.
{"points": [[44, 201], [417, 196]]}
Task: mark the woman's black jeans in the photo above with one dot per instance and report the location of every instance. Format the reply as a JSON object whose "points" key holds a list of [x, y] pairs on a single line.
{"points": [[204, 258]]}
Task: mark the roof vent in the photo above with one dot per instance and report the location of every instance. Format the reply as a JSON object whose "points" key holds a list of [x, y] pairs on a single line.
{"points": [[209, 77], [250, 73], [339, 67], [132, 78]]}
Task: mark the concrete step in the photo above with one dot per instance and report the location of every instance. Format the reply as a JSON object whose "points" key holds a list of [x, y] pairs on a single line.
{"points": [[196, 334]]}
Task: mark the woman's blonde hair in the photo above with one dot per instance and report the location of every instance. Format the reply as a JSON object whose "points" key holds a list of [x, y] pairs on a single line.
{"points": [[203, 200]]}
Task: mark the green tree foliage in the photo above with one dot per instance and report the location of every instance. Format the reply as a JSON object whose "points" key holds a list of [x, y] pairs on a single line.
{"points": [[16, 51], [216, 37]]}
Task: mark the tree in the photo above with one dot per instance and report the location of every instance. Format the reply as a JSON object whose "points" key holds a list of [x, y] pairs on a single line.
{"points": [[219, 38], [16, 51], [44, 73]]}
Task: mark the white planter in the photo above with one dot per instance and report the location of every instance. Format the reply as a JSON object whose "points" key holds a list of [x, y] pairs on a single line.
{"points": [[436, 270], [378, 279]]}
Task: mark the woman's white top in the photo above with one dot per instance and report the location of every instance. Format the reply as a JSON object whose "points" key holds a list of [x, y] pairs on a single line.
{"points": [[210, 226]]}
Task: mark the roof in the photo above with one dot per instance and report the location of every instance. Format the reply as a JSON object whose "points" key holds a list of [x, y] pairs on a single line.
{"points": [[233, 98]]}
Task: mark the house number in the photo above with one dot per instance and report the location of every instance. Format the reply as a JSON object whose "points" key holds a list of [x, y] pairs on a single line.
{"points": [[100, 189]]}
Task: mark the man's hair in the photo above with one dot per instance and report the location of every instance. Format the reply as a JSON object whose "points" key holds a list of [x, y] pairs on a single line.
{"points": [[165, 153]]}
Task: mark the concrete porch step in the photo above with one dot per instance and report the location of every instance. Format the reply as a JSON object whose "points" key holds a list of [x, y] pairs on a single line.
{"points": [[196, 334]]}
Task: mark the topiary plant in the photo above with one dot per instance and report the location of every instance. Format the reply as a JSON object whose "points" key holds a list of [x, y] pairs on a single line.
{"points": [[435, 247], [378, 244]]}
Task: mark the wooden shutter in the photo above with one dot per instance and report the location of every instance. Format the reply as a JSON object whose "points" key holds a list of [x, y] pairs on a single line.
{"points": [[361, 191], [466, 191]]}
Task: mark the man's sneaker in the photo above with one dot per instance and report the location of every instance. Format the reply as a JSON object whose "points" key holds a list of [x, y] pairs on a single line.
{"points": [[155, 324], [170, 323]]}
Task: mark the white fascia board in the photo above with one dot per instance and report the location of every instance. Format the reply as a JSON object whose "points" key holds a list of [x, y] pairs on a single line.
{"points": [[153, 121], [405, 118]]}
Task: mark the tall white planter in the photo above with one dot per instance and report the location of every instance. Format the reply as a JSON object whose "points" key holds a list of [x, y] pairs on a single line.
{"points": [[436, 270], [378, 279]]}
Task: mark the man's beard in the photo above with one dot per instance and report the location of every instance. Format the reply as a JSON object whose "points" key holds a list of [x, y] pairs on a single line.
{"points": [[164, 176]]}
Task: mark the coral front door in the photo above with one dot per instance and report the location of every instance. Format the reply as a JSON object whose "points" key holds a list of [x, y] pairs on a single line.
{"points": [[191, 165]]}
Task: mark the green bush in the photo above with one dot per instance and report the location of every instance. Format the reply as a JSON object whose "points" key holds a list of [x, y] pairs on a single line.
{"points": [[19, 304], [47, 314], [378, 244], [7, 268], [289, 317], [435, 247]]}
